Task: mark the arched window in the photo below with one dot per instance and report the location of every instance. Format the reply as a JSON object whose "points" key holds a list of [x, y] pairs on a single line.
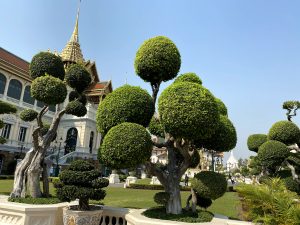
{"points": [[14, 89], [2, 83], [27, 96], [71, 140], [91, 141]]}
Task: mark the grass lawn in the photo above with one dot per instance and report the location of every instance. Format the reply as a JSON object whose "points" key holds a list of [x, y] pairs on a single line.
{"points": [[136, 198]]}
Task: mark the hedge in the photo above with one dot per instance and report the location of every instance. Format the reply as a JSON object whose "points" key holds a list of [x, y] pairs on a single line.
{"points": [[154, 187]]}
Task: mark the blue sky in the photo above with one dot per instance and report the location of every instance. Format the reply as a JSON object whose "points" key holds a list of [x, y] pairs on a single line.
{"points": [[246, 52]]}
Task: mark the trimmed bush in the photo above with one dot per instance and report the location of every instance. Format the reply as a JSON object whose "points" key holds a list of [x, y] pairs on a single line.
{"points": [[203, 202], [46, 63], [126, 145], [285, 131], [76, 108], [224, 139], [188, 77], [209, 184], [158, 59], [81, 181], [78, 77], [188, 110], [272, 153], [28, 115], [255, 141], [125, 104], [154, 187], [73, 95], [6, 108], [161, 198], [49, 90], [292, 185], [156, 128], [222, 107]]}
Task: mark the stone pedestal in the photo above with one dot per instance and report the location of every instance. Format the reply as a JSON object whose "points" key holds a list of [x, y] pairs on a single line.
{"points": [[154, 180], [143, 175], [130, 180], [114, 178]]}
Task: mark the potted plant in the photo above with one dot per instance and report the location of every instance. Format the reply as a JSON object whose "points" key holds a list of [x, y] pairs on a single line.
{"points": [[81, 181]]}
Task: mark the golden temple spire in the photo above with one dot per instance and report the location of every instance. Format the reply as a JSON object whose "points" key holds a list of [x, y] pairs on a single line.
{"points": [[72, 52]]}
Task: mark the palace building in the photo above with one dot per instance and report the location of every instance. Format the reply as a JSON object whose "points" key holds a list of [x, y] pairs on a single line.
{"points": [[77, 137]]}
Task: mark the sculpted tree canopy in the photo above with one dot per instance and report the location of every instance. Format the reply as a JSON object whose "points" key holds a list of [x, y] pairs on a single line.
{"points": [[125, 104], [5, 108], [47, 71], [186, 111], [285, 131], [222, 107], [291, 107], [255, 141]]}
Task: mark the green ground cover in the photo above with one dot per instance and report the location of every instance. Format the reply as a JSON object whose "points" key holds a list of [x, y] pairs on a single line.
{"points": [[227, 205]]}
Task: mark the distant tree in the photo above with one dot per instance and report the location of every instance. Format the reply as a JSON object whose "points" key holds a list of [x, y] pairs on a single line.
{"points": [[188, 118], [5, 108], [291, 107], [50, 87], [279, 150]]}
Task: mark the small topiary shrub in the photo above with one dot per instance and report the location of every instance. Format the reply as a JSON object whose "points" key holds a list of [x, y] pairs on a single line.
{"points": [[285, 131], [78, 77], [49, 90], [203, 202], [158, 59], [126, 145], [81, 181], [28, 115], [125, 104], [6, 108], [272, 153], [292, 185], [46, 63], [188, 77], [255, 141], [162, 198], [209, 184]]}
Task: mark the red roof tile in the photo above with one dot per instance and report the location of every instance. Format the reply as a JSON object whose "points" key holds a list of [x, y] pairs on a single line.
{"points": [[13, 59]]}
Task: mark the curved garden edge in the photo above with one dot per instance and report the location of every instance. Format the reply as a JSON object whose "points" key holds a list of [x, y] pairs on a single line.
{"points": [[136, 218]]}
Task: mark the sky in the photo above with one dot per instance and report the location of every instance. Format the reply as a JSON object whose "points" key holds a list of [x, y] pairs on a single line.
{"points": [[247, 53]]}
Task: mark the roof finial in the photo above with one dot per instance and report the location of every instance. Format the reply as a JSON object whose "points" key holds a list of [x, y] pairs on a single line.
{"points": [[75, 37]]}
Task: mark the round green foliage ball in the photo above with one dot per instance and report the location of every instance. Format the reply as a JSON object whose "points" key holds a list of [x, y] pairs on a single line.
{"points": [[255, 141], [162, 198], [155, 127], [73, 95], [1, 124], [158, 59], [223, 140], [272, 153], [125, 145], [78, 77], [285, 131], [209, 184], [28, 115], [76, 108], [6, 108], [222, 107], [188, 77], [292, 185], [46, 63], [125, 104], [49, 90], [203, 202], [188, 110]]}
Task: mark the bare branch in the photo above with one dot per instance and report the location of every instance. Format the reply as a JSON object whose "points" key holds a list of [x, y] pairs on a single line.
{"points": [[154, 170], [35, 137], [184, 148], [40, 115], [293, 170]]}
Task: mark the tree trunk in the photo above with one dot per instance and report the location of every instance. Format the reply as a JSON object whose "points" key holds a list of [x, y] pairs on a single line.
{"points": [[45, 180], [33, 175]]}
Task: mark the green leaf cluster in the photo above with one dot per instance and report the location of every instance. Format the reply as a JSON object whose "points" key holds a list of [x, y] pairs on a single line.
{"points": [[78, 77], [188, 77], [161, 198], [209, 184], [76, 108], [125, 145], [155, 127], [158, 59], [255, 141], [188, 110], [28, 115], [125, 104], [49, 90], [6, 108], [285, 131], [222, 107], [46, 63]]}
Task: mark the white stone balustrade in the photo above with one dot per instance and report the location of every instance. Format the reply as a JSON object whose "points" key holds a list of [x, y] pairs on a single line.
{"points": [[114, 216]]}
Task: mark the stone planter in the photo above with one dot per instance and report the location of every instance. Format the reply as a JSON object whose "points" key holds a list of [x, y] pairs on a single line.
{"points": [[71, 216]]}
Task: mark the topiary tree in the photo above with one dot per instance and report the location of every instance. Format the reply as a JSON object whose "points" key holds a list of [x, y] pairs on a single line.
{"points": [[279, 149], [187, 112], [291, 107], [81, 181], [255, 141], [5, 108], [49, 86]]}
